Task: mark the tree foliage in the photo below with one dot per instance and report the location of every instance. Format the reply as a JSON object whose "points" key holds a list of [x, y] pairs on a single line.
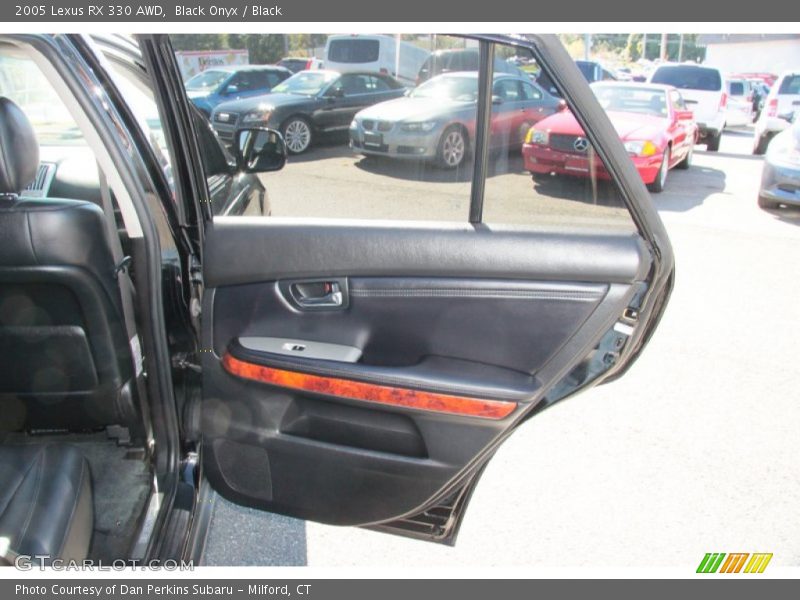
{"points": [[264, 48]]}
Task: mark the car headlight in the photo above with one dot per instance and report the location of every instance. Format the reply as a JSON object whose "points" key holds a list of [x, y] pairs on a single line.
{"points": [[256, 116], [421, 126], [537, 136], [641, 148]]}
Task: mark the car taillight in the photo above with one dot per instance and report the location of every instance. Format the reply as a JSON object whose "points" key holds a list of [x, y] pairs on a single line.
{"points": [[308, 64], [772, 108], [723, 101]]}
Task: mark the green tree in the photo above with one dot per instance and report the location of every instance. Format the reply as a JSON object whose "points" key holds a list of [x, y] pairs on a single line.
{"points": [[633, 48], [198, 41]]}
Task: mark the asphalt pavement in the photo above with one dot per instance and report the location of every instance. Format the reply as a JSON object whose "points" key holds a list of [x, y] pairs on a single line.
{"points": [[695, 450]]}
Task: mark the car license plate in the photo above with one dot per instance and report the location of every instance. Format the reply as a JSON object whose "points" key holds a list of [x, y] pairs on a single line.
{"points": [[373, 140], [577, 164]]}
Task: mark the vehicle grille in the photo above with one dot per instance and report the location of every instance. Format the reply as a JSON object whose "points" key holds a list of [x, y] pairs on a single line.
{"points": [[231, 119], [565, 143], [37, 187], [372, 125]]}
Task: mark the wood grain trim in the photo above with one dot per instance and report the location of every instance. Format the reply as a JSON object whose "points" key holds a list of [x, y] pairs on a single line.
{"points": [[369, 392]]}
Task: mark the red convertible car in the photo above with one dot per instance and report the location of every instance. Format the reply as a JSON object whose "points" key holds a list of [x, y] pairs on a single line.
{"points": [[658, 131]]}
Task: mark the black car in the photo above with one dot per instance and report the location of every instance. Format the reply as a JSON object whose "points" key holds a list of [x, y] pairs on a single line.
{"points": [[157, 352], [307, 104]]}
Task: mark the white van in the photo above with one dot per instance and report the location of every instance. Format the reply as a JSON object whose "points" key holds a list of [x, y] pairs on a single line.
{"points": [[703, 90], [375, 53]]}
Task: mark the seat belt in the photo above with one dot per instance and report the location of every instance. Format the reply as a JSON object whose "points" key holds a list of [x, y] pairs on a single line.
{"points": [[127, 294]]}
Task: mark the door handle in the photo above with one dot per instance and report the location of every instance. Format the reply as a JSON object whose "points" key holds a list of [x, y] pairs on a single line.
{"points": [[317, 294], [331, 297]]}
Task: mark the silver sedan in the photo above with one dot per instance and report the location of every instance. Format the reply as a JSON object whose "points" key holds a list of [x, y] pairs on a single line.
{"points": [[436, 121]]}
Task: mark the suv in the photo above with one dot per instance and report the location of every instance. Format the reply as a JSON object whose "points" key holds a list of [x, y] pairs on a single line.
{"points": [[221, 84], [703, 91], [739, 110], [781, 107]]}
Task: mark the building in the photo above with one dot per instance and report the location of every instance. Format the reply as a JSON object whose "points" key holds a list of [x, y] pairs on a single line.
{"points": [[752, 53]]}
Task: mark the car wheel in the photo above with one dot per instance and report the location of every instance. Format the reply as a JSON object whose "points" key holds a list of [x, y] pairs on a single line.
{"points": [[712, 144], [766, 203], [297, 134], [452, 148], [661, 179], [761, 144], [687, 161]]}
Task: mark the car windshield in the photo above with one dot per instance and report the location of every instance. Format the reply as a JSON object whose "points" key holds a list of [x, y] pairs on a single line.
{"points": [[459, 89], [642, 100], [207, 80], [689, 78], [790, 85], [23, 82], [306, 83]]}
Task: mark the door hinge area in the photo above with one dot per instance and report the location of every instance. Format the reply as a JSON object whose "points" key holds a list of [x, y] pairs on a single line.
{"points": [[181, 361], [196, 290]]}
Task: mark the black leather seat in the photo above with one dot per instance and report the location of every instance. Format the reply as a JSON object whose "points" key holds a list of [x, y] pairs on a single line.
{"points": [[66, 361], [45, 501]]}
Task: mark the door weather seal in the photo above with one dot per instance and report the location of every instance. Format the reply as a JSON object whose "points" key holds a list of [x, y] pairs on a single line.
{"points": [[605, 355]]}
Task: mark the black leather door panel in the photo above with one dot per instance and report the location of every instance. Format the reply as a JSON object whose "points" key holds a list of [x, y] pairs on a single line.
{"points": [[458, 331], [325, 456], [265, 249], [398, 322]]}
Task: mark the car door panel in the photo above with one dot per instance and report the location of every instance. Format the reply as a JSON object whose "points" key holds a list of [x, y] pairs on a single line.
{"points": [[454, 336]]}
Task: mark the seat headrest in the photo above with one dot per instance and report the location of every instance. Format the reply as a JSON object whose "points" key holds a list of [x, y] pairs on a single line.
{"points": [[19, 150]]}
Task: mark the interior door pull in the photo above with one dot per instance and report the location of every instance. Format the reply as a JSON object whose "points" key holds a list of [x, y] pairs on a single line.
{"points": [[331, 296]]}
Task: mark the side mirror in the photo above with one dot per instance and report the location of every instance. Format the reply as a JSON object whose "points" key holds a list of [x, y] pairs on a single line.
{"points": [[497, 100], [231, 89], [337, 93], [788, 116], [260, 150]]}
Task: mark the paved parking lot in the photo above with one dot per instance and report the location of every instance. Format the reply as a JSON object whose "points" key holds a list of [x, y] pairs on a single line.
{"points": [[695, 450]]}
